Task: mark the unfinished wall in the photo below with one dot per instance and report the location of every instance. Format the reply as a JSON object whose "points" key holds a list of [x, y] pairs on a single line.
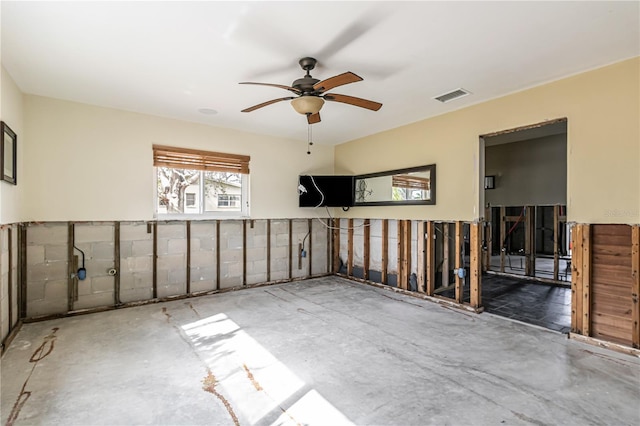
{"points": [[602, 108], [129, 262], [9, 290]]}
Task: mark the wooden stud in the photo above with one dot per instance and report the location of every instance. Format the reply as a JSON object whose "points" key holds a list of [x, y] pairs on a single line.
{"points": [[10, 280], [299, 256], [290, 248], [487, 248], [635, 292], [586, 280], [71, 272], [22, 276], [475, 265], [576, 280], [116, 263], [503, 237], [430, 259], [244, 252], [155, 260], [400, 257], [329, 262], [366, 248], [421, 257], [310, 251], [268, 250], [385, 251], [445, 255], [350, 248], [459, 282], [217, 255], [188, 272], [406, 261], [556, 254], [336, 246], [528, 219]]}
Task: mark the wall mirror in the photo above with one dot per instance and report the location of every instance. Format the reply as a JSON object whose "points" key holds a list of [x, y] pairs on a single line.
{"points": [[415, 185], [8, 154]]}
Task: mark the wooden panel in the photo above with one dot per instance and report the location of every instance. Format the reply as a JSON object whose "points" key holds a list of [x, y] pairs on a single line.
{"points": [[475, 265], [430, 258], [350, 248], [635, 286], [366, 248], [612, 283], [459, 282], [385, 250]]}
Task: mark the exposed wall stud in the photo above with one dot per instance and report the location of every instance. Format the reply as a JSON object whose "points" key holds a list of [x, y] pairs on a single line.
{"points": [[329, 245], [430, 258], [217, 254], [576, 280], [459, 281], [291, 248], [445, 255], [556, 229], [155, 260], [244, 250], [268, 250], [475, 265], [385, 251], [22, 276], [116, 263], [350, 248], [586, 280], [635, 292], [188, 257], [336, 245], [310, 252], [10, 280], [421, 257], [366, 248], [71, 272], [503, 236]]}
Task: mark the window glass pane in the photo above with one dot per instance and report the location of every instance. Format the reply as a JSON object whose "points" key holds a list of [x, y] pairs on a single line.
{"points": [[173, 186], [222, 191]]}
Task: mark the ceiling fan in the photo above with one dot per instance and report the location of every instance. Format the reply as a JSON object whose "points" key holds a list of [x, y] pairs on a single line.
{"points": [[311, 93]]}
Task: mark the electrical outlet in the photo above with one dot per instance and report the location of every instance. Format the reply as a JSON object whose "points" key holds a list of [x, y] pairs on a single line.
{"points": [[303, 253]]}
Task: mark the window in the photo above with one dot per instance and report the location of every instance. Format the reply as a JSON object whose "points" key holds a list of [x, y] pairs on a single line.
{"points": [[200, 183]]}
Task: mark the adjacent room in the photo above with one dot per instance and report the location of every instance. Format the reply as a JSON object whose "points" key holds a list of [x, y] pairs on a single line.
{"points": [[358, 213]]}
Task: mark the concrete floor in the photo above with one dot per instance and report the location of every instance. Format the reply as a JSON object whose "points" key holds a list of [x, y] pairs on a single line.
{"points": [[324, 351]]}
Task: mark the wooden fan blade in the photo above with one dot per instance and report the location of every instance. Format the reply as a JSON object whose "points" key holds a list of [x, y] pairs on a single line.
{"points": [[335, 81], [280, 86], [352, 100], [313, 118], [264, 104]]}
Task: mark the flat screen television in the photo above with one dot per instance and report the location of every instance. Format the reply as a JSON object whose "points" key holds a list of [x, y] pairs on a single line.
{"points": [[337, 191]]}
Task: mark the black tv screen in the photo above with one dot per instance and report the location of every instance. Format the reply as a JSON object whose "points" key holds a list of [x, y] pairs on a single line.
{"points": [[337, 191]]}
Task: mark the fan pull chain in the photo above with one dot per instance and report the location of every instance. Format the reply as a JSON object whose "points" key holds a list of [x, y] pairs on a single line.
{"points": [[309, 141]]}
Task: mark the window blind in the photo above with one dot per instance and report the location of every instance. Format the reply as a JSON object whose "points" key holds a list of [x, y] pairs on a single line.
{"points": [[410, 182], [183, 158]]}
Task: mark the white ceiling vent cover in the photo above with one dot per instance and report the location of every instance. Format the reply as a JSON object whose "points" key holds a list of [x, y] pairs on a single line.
{"points": [[455, 94]]}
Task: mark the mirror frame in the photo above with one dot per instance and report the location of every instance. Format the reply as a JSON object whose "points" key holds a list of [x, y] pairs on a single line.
{"points": [[431, 168]]}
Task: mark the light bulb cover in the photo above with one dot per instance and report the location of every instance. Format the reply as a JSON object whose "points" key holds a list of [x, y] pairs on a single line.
{"points": [[307, 104]]}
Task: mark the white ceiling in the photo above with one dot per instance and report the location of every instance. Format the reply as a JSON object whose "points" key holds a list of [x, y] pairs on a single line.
{"points": [[172, 58]]}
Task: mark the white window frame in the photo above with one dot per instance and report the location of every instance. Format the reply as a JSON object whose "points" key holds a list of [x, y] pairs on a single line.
{"points": [[204, 215]]}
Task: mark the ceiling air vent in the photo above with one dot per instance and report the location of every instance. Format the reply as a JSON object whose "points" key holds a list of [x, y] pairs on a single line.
{"points": [[455, 94]]}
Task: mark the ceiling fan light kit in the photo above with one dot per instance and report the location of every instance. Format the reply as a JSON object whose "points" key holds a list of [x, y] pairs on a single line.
{"points": [[307, 104], [311, 93]]}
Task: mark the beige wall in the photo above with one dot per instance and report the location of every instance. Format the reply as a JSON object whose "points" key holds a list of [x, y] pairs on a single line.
{"points": [[11, 113], [603, 160], [529, 172], [91, 163]]}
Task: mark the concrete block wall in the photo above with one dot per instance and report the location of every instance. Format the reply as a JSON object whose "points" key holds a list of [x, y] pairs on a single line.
{"points": [[9, 310], [47, 268], [244, 259]]}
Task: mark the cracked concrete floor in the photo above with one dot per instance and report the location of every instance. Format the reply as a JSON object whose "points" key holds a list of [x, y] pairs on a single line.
{"points": [[323, 351]]}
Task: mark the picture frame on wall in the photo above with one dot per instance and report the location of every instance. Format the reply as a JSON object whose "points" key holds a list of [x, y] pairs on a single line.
{"points": [[8, 154]]}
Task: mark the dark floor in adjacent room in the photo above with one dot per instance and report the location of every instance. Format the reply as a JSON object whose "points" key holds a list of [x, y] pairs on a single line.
{"points": [[528, 301]]}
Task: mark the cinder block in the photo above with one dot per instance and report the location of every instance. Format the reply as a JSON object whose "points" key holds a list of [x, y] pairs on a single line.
{"points": [[177, 246], [138, 280], [230, 256], [256, 278], [254, 254], [229, 282], [55, 290], [230, 227], [35, 291], [47, 234], [136, 264], [136, 295], [203, 274], [195, 244], [103, 284], [172, 261], [257, 241], [172, 230], [207, 243], [203, 229], [97, 267], [280, 253], [279, 275], [231, 243], [126, 249], [230, 269], [257, 267], [202, 285], [84, 288], [55, 252], [35, 254], [133, 232], [178, 276], [162, 278], [103, 250], [171, 290], [281, 240], [47, 271], [279, 227], [163, 247], [94, 300], [142, 248], [93, 233], [47, 307], [279, 265], [203, 258]]}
